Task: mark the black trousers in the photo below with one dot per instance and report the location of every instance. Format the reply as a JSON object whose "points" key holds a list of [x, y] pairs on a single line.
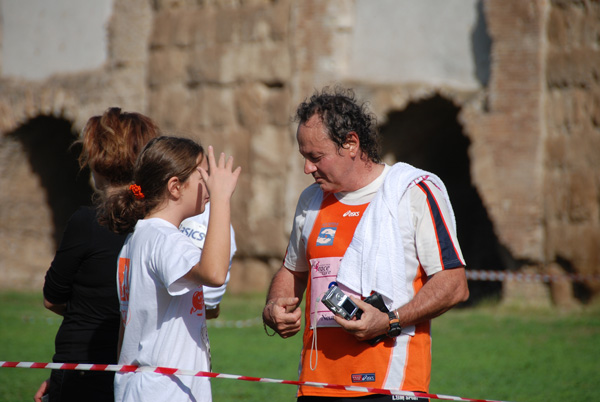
{"points": [[77, 386]]}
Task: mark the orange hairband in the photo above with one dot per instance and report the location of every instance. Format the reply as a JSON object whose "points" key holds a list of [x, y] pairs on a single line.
{"points": [[137, 191]]}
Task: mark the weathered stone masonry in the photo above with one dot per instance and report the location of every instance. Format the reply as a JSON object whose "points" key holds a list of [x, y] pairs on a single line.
{"points": [[230, 73]]}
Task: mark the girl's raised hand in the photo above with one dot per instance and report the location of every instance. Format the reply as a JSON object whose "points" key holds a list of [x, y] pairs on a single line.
{"points": [[220, 179]]}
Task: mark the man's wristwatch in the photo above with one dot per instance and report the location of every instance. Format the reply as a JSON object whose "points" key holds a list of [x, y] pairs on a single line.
{"points": [[395, 327]]}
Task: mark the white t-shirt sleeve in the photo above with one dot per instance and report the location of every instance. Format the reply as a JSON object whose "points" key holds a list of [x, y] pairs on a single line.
{"points": [[213, 296], [195, 229], [437, 246], [295, 256], [174, 257]]}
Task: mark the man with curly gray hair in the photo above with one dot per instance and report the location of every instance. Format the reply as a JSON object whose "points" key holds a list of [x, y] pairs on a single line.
{"points": [[385, 236]]}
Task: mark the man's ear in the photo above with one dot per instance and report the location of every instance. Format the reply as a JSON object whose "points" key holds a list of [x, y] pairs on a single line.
{"points": [[173, 186], [352, 143]]}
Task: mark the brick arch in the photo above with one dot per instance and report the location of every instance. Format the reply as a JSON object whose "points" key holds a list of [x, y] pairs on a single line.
{"points": [[427, 134]]}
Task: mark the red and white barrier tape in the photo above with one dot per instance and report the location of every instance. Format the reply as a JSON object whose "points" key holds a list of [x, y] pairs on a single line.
{"points": [[174, 371], [521, 277], [252, 322], [249, 323]]}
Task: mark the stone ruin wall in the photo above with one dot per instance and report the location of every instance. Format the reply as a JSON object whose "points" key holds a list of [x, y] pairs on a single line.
{"points": [[506, 132], [225, 75], [27, 242], [538, 126], [534, 130], [571, 185]]}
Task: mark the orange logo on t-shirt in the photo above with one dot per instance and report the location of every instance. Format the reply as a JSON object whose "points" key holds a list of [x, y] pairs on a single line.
{"points": [[123, 276], [124, 264], [197, 302]]}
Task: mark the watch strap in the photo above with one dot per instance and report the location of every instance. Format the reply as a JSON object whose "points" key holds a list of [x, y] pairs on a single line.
{"points": [[395, 328]]}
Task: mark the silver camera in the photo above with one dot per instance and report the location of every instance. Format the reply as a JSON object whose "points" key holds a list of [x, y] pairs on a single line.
{"points": [[339, 303]]}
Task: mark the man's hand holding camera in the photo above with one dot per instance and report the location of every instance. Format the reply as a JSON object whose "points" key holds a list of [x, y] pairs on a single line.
{"points": [[372, 322]]}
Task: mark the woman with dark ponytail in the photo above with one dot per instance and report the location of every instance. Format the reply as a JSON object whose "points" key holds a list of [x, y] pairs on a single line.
{"points": [[161, 271]]}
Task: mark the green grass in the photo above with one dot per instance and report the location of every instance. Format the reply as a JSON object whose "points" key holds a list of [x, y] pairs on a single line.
{"points": [[482, 353], [491, 353], [27, 333], [249, 351]]}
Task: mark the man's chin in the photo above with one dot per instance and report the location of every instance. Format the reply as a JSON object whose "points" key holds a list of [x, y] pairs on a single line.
{"points": [[327, 188]]}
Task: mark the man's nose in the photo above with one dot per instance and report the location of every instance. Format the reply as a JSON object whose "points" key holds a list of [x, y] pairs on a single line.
{"points": [[309, 167]]}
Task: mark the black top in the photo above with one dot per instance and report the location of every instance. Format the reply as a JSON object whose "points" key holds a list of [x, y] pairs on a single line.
{"points": [[83, 275]]}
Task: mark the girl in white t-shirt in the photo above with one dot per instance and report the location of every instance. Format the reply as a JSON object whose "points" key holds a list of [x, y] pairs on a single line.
{"points": [[160, 272]]}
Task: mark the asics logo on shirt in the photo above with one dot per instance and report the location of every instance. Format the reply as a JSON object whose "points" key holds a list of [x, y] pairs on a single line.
{"points": [[363, 377], [194, 234], [351, 214]]}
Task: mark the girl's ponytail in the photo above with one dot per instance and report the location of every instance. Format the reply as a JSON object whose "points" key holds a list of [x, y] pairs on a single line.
{"points": [[162, 158], [121, 210]]}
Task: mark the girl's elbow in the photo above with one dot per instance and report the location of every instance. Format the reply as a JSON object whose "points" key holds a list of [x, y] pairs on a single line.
{"points": [[219, 280], [215, 280]]}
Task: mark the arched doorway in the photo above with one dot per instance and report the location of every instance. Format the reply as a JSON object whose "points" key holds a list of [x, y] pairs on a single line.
{"points": [[428, 135], [42, 186]]}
